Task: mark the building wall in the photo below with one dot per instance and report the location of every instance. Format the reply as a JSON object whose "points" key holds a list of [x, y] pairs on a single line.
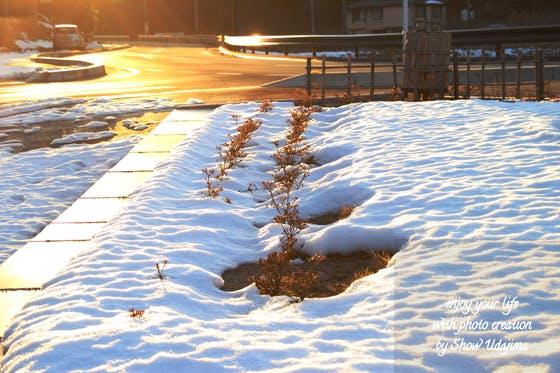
{"points": [[391, 21]]}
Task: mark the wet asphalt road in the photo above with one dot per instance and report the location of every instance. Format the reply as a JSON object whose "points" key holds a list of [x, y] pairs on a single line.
{"points": [[175, 72]]}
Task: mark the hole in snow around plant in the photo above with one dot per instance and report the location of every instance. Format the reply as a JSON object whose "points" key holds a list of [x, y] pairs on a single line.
{"points": [[332, 217], [305, 276], [301, 275]]}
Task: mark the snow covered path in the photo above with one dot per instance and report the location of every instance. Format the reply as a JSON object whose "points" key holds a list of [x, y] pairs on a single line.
{"points": [[37, 185], [470, 189]]}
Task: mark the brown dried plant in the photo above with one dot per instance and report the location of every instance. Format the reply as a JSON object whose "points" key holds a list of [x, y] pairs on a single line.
{"points": [[265, 106], [298, 284], [213, 183], [271, 271], [345, 212], [231, 153], [303, 98], [136, 314]]}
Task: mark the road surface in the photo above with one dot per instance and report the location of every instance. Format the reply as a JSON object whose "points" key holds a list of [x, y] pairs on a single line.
{"points": [[175, 72]]}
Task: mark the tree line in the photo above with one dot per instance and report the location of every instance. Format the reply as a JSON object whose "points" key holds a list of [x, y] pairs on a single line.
{"points": [[246, 17]]}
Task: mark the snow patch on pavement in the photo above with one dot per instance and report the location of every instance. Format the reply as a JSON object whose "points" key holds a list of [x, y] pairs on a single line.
{"points": [[83, 137]]}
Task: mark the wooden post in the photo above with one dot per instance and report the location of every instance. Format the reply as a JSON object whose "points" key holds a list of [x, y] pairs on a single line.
{"points": [[395, 81], [349, 76], [539, 74], [468, 91], [518, 76], [482, 63], [455, 76], [323, 76], [503, 73], [308, 77], [372, 75]]}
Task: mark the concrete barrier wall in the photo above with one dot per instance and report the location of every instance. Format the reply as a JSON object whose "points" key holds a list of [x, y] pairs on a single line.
{"points": [[111, 38], [85, 70], [189, 39]]}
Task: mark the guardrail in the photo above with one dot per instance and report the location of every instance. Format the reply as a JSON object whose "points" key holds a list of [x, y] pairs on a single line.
{"points": [[495, 37]]}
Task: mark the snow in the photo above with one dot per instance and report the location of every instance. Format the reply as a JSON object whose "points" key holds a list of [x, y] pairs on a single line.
{"points": [[15, 65], [468, 190], [34, 45], [94, 125], [36, 186], [58, 109], [83, 137]]}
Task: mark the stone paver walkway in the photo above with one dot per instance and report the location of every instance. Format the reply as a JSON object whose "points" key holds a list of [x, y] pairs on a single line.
{"points": [[24, 274]]}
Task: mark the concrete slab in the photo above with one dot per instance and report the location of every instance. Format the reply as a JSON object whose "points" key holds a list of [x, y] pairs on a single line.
{"points": [[95, 210], [116, 185], [68, 232], [37, 262], [176, 128], [188, 115], [140, 162], [157, 143]]}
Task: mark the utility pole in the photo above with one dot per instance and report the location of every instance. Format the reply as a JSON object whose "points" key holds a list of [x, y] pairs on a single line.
{"points": [[146, 22], [312, 6], [233, 17], [405, 21], [344, 16], [196, 17]]}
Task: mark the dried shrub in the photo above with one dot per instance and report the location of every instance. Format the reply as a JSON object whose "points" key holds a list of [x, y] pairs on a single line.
{"points": [[213, 183], [271, 271], [287, 215], [230, 154], [395, 94], [345, 212], [274, 278], [314, 276], [160, 268], [298, 284], [266, 106], [136, 314], [303, 98]]}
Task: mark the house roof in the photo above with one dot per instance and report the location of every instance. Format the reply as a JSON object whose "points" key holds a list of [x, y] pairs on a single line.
{"points": [[387, 3]]}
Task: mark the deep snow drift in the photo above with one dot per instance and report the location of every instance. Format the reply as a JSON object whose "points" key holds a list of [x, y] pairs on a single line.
{"points": [[469, 189]]}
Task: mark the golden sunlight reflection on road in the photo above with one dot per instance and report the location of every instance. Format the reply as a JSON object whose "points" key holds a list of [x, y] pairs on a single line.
{"points": [[170, 71]]}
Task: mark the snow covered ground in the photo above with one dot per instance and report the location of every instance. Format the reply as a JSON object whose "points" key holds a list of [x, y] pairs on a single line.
{"points": [[15, 65], [469, 189], [37, 185], [18, 66]]}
